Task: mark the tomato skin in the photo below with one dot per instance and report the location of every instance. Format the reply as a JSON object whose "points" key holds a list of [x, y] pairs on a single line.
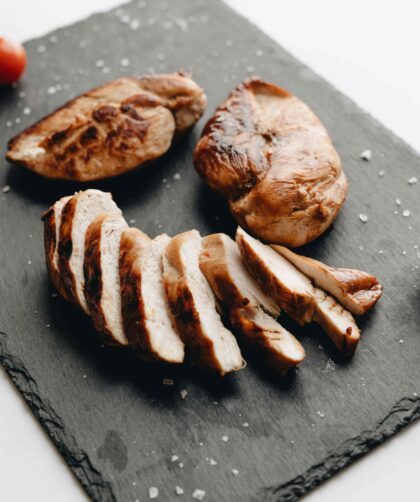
{"points": [[12, 61]]}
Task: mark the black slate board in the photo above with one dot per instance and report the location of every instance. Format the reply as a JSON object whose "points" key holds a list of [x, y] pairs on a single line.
{"points": [[109, 414]]}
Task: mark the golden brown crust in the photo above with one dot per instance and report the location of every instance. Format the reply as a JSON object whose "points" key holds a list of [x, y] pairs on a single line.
{"points": [[111, 129], [298, 306], [269, 343], [50, 241], [270, 156], [65, 248], [133, 242], [199, 348], [356, 290]]}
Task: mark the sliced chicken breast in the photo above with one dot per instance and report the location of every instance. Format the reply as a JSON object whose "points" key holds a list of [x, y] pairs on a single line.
{"points": [[281, 350], [356, 290], [250, 310], [102, 280], [146, 316], [337, 323], [77, 214], [193, 306], [277, 277], [52, 220]]}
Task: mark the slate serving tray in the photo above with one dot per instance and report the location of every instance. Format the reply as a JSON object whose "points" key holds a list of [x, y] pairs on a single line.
{"points": [[109, 414]]}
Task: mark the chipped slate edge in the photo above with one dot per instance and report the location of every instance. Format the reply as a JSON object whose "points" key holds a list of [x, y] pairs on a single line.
{"points": [[404, 412], [78, 460]]}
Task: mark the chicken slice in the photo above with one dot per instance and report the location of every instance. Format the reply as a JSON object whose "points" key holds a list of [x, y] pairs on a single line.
{"points": [[110, 130], [52, 220], [102, 281], [277, 277], [356, 290], [250, 310], [337, 323], [193, 306], [145, 310], [77, 214]]}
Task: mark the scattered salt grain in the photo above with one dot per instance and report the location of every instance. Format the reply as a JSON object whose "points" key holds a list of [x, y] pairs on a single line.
{"points": [[17, 120], [26, 110], [381, 173], [321, 415], [100, 63], [366, 155], [198, 494], [105, 69], [174, 458], [54, 295], [225, 439], [167, 381], [22, 94], [135, 24], [181, 464], [331, 365], [153, 492], [29, 262], [177, 176], [412, 180], [400, 340], [8, 123], [184, 393], [245, 424], [363, 217], [51, 90], [132, 221], [53, 39], [41, 49], [235, 472], [179, 490], [125, 62], [406, 213], [415, 394], [84, 377], [213, 462], [6, 189], [48, 325], [398, 202]]}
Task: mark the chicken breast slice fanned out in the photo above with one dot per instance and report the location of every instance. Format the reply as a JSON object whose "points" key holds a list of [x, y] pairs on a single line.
{"points": [[52, 220], [356, 290], [249, 309], [145, 310], [111, 129], [76, 216], [270, 156], [296, 294], [102, 279], [277, 277], [208, 343]]}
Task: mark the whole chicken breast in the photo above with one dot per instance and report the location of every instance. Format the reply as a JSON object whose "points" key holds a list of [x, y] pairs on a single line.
{"points": [[270, 156], [110, 130]]}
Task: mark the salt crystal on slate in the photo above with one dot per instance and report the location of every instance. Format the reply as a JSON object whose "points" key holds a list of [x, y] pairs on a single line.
{"points": [[225, 439], [398, 202], [321, 415], [198, 494], [174, 458], [366, 155], [132, 221], [6, 189], [235, 472], [381, 173], [181, 464], [41, 49], [125, 62], [135, 24], [22, 94], [184, 393], [8, 124], [363, 217], [17, 120], [29, 262], [406, 212], [167, 381], [100, 63], [179, 490], [26, 110], [51, 90], [153, 492], [412, 180], [245, 424], [177, 176], [213, 462]]}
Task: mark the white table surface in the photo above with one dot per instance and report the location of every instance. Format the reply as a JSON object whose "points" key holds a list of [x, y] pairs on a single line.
{"points": [[370, 51]]}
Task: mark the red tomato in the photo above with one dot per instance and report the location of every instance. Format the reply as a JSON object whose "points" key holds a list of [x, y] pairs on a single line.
{"points": [[12, 61]]}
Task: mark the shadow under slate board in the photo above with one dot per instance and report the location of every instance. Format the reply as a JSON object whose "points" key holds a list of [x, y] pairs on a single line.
{"points": [[109, 414]]}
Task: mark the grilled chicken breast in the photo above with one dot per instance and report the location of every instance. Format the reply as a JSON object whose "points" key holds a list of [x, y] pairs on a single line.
{"points": [[145, 310], [111, 129], [356, 290], [295, 293], [249, 309], [102, 282], [269, 155], [208, 343]]}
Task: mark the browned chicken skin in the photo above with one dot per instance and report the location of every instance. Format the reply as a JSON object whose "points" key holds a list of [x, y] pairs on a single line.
{"points": [[273, 160], [111, 129]]}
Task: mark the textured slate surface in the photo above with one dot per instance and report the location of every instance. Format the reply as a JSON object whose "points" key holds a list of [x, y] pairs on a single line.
{"points": [[108, 413]]}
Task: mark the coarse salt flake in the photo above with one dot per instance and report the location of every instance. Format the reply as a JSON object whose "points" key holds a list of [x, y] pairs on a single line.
{"points": [[198, 494], [363, 217], [6, 189], [412, 180], [366, 155], [153, 492], [179, 490], [225, 439], [213, 462], [167, 381], [235, 472], [184, 393], [174, 458], [406, 213]]}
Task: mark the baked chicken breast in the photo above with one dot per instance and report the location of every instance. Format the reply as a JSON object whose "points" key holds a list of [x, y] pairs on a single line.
{"points": [[269, 155], [110, 130]]}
